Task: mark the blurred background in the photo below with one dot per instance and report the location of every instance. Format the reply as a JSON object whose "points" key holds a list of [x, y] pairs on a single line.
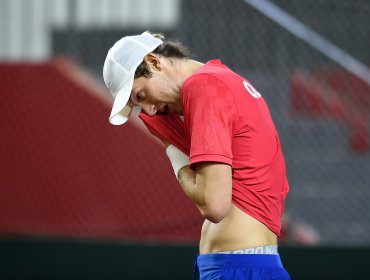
{"points": [[81, 199]]}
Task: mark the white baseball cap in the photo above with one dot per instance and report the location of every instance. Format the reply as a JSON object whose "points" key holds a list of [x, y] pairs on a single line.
{"points": [[119, 71]]}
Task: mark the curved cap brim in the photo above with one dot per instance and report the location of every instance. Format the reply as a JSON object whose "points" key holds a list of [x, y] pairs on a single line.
{"points": [[120, 110]]}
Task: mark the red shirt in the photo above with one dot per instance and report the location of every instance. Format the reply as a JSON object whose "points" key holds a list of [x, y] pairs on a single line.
{"points": [[226, 120]]}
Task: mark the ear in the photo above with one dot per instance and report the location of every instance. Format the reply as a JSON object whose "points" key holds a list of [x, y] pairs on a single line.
{"points": [[153, 61]]}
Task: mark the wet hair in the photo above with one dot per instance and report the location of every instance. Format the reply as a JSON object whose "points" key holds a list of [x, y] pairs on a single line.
{"points": [[169, 49]]}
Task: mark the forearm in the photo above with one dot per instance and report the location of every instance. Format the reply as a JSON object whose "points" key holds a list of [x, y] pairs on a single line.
{"points": [[185, 175], [209, 187], [187, 180], [212, 206]]}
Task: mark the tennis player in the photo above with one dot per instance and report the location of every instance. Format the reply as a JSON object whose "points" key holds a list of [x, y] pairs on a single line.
{"points": [[235, 172]]}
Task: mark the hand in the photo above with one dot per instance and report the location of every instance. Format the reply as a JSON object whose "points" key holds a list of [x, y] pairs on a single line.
{"points": [[164, 142]]}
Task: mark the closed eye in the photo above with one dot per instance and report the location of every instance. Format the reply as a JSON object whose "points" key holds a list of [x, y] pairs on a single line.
{"points": [[139, 97]]}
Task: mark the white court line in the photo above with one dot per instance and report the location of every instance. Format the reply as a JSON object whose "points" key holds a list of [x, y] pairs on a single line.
{"points": [[312, 38]]}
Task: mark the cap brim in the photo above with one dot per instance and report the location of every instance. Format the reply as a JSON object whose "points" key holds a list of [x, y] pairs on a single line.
{"points": [[120, 110]]}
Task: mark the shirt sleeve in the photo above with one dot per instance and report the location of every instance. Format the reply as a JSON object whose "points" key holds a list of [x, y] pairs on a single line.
{"points": [[209, 111]]}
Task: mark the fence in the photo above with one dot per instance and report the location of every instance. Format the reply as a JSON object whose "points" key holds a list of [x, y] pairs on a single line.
{"points": [[310, 61]]}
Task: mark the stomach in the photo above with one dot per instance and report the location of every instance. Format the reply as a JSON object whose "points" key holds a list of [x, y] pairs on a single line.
{"points": [[236, 231]]}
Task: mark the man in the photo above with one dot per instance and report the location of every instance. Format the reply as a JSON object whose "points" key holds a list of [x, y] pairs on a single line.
{"points": [[235, 173]]}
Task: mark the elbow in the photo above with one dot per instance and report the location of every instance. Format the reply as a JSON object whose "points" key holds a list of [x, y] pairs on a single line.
{"points": [[216, 212]]}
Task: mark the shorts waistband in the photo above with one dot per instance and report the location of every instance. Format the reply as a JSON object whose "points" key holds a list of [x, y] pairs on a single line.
{"points": [[245, 260], [266, 250]]}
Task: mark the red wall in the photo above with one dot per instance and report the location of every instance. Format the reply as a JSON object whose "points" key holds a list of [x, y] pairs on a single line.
{"points": [[66, 172]]}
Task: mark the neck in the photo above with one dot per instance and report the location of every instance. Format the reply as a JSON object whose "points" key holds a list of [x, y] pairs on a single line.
{"points": [[180, 70], [183, 69], [189, 67]]}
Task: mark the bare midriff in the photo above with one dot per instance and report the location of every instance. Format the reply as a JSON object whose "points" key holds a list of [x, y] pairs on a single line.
{"points": [[236, 231]]}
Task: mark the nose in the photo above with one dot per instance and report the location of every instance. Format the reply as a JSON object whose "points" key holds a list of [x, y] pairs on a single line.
{"points": [[150, 110]]}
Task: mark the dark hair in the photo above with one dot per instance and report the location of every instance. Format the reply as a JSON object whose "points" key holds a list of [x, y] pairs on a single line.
{"points": [[169, 49]]}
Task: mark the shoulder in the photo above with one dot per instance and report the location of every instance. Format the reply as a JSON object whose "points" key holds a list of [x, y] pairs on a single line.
{"points": [[201, 79], [214, 81], [212, 69], [205, 88], [213, 73], [204, 83]]}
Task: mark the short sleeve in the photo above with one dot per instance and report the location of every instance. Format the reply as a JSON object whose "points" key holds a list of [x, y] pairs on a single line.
{"points": [[209, 113]]}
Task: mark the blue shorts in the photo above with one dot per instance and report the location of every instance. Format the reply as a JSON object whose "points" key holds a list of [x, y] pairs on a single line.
{"points": [[240, 266]]}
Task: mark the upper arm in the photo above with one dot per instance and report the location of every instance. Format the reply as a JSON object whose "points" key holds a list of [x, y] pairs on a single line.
{"points": [[214, 180], [209, 112]]}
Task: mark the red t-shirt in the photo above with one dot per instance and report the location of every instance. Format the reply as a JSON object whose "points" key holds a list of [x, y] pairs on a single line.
{"points": [[226, 120]]}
